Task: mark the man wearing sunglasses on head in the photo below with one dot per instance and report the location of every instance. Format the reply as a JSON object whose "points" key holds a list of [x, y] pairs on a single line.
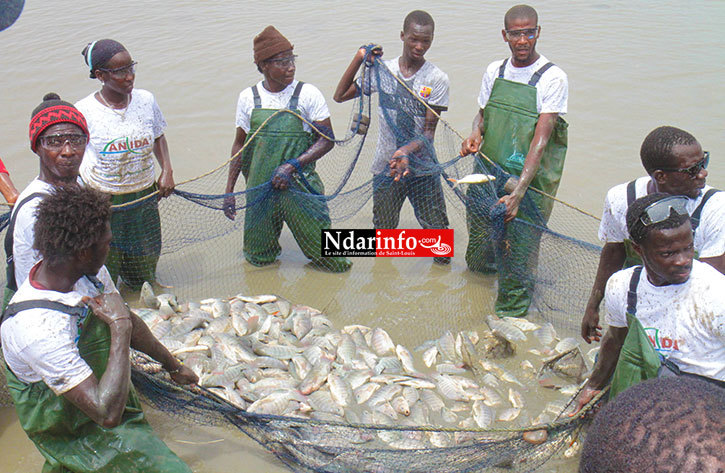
{"points": [[675, 164], [666, 317], [519, 126]]}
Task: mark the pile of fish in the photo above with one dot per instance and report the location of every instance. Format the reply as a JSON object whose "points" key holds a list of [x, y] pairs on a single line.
{"points": [[266, 355]]}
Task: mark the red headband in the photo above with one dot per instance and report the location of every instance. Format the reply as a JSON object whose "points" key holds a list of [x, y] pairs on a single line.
{"points": [[52, 115]]}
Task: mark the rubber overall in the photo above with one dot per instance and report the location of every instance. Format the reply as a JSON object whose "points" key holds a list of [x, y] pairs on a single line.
{"points": [[510, 119], [280, 139], [632, 258], [68, 439], [136, 244]]}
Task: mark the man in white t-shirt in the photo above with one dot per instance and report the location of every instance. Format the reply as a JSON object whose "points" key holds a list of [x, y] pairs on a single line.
{"points": [[405, 163], [68, 367], [520, 129], [679, 301], [675, 164], [276, 151]]}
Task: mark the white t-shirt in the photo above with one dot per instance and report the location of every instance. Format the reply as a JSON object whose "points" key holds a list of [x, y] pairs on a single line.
{"points": [[311, 104], [41, 344], [552, 90], [685, 322], [429, 83], [119, 158], [709, 237]]}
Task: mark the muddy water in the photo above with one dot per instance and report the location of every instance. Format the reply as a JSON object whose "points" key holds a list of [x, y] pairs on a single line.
{"points": [[632, 66]]}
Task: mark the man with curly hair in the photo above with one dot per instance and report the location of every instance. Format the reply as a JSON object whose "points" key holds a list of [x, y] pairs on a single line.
{"points": [[66, 336], [664, 425]]}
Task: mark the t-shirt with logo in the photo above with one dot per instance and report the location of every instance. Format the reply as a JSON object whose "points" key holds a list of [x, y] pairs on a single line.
{"points": [[709, 239], [552, 90], [311, 104], [429, 83], [684, 322], [119, 157], [42, 344]]}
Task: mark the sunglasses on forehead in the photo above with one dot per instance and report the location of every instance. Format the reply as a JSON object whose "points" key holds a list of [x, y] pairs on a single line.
{"points": [[662, 209], [695, 169]]}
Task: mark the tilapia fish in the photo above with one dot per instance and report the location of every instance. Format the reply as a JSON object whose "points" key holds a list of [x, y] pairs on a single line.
{"points": [[266, 355]]}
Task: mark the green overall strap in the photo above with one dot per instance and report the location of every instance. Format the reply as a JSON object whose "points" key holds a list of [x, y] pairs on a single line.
{"points": [[10, 271], [631, 257], [638, 360], [695, 217]]}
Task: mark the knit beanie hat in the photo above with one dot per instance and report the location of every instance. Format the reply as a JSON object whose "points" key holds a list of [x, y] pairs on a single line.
{"points": [[51, 111], [268, 43]]}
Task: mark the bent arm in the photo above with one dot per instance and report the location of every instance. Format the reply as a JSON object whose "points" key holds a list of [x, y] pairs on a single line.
{"points": [[400, 160], [104, 400], [166, 179], [320, 147], [346, 88], [608, 357], [7, 188], [471, 144], [717, 262], [611, 260], [235, 166]]}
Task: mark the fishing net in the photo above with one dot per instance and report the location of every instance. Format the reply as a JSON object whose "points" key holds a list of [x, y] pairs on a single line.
{"points": [[201, 253]]}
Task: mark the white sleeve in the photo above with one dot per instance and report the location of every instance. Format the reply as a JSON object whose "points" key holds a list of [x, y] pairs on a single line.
{"points": [[314, 107], [487, 84], [24, 256], [555, 94], [711, 231], [159, 120], [55, 358], [610, 228], [105, 277], [439, 95], [245, 105], [615, 297]]}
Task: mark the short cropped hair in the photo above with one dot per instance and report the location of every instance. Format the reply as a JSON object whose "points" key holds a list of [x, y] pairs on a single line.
{"points": [[662, 425], [656, 149], [70, 219], [637, 230], [520, 12], [418, 17]]}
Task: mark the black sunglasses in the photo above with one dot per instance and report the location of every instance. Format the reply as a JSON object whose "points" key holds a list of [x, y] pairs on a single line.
{"points": [[660, 211], [695, 169]]}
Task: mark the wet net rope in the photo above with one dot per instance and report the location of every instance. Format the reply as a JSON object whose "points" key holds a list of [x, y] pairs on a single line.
{"points": [[201, 254]]}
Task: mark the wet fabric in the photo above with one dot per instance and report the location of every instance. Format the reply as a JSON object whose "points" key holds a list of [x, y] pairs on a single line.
{"points": [[302, 206], [510, 120], [70, 441], [638, 360], [136, 244]]}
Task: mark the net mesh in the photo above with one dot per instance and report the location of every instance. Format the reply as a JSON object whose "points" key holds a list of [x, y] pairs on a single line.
{"points": [[200, 253]]}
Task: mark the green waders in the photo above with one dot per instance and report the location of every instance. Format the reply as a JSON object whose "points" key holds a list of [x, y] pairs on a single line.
{"points": [[136, 244], [70, 441], [282, 138], [510, 119], [638, 360]]}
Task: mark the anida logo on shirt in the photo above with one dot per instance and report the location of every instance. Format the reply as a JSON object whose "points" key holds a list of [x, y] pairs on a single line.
{"points": [[126, 145], [660, 343], [425, 91]]}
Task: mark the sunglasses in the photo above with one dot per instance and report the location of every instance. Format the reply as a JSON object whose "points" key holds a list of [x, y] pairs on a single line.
{"points": [[121, 71], [56, 142], [529, 33], [695, 169], [662, 209]]}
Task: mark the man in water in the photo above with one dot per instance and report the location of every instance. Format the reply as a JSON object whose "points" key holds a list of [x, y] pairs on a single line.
{"points": [[519, 127], [676, 303], [405, 165], [675, 164], [66, 338], [283, 150]]}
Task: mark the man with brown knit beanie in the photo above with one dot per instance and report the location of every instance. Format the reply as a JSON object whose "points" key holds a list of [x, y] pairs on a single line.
{"points": [[280, 154]]}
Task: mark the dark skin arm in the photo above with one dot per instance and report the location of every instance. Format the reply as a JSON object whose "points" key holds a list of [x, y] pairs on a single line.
{"points": [[282, 174], [542, 133], [143, 340], [7, 188], [346, 88], [610, 261], [399, 161], [717, 262], [104, 400], [608, 357], [166, 179]]}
